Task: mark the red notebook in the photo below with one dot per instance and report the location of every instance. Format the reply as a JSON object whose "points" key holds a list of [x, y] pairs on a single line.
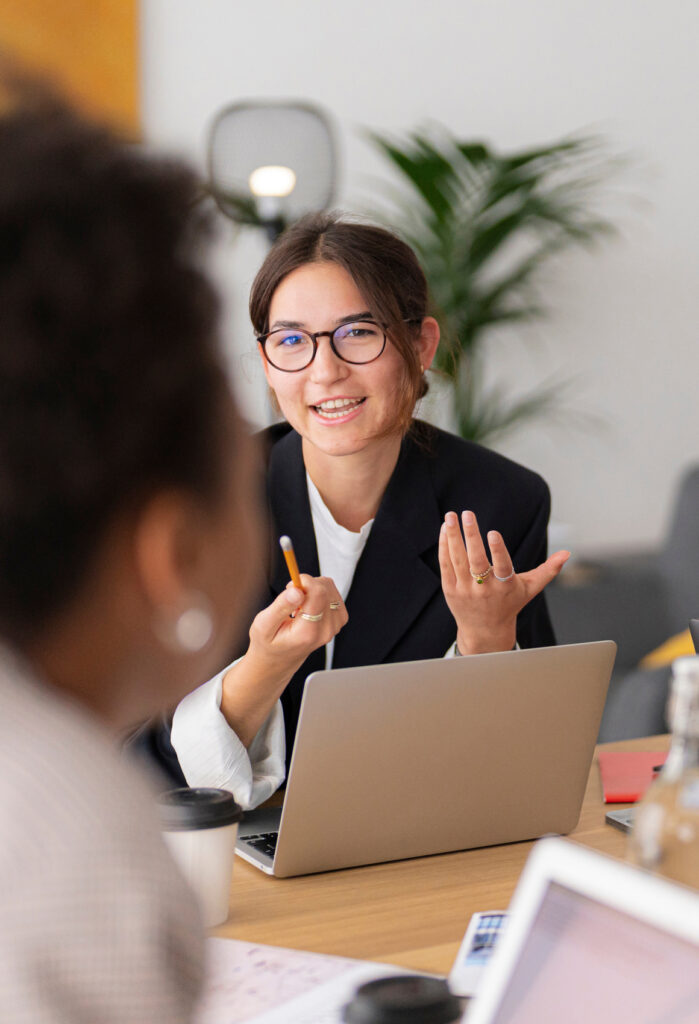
{"points": [[627, 774]]}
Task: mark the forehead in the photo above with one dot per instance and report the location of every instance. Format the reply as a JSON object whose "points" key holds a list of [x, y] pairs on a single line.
{"points": [[316, 292]]}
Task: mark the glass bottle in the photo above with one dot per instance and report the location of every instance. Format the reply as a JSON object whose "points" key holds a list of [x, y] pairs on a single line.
{"points": [[665, 835]]}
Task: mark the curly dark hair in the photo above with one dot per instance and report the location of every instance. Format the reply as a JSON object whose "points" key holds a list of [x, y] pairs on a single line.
{"points": [[111, 385]]}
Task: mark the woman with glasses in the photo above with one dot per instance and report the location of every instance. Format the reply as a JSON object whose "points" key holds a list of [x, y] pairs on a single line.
{"points": [[373, 500]]}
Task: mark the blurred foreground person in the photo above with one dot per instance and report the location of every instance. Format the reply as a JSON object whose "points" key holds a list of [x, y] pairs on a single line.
{"points": [[125, 511]]}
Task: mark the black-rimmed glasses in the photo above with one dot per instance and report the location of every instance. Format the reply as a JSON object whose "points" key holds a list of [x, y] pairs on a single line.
{"points": [[291, 349]]}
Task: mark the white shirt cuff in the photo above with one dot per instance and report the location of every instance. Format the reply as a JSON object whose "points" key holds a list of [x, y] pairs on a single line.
{"points": [[210, 753]]}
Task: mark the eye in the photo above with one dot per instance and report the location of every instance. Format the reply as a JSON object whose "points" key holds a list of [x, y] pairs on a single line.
{"points": [[288, 339], [363, 331]]}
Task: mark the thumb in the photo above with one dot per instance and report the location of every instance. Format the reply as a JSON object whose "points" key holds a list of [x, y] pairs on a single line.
{"points": [[274, 615], [540, 577]]}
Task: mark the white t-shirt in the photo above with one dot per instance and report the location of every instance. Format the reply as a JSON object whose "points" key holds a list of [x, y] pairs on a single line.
{"points": [[209, 751]]}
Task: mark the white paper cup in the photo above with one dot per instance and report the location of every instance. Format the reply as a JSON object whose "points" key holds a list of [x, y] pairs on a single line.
{"points": [[200, 827]]}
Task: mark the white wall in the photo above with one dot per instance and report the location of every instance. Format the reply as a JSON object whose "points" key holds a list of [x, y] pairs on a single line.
{"points": [[516, 72]]}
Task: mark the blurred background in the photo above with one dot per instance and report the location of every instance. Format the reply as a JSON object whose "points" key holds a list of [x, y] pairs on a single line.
{"points": [[620, 315]]}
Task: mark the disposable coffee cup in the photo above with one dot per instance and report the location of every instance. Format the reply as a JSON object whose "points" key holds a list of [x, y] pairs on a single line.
{"points": [[200, 827]]}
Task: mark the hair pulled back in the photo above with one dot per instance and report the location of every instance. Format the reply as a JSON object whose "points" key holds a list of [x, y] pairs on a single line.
{"points": [[384, 269], [110, 383]]}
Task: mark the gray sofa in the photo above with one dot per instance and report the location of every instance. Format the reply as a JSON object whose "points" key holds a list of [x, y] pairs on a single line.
{"points": [[638, 600]]}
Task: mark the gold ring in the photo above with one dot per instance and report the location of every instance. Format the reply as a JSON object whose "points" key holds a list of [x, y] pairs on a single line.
{"points": [[334, 605], [312, 618], [479, 577]]}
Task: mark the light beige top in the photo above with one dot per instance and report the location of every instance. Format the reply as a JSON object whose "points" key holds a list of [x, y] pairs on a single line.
{"points": [[96, 924]]}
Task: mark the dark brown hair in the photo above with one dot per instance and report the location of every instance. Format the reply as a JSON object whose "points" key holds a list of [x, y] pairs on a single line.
{"points": [[110, 381], [383, 267]]}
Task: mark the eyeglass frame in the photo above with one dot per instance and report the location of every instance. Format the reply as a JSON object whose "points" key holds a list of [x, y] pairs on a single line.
{"points": [[314, 335]]}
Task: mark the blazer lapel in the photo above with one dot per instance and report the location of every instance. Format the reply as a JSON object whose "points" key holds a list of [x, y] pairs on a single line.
{"points": [[393, 582]]}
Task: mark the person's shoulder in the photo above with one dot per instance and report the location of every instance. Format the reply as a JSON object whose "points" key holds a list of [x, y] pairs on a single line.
{"points": [[88, 871], [275, 438], [458, 463], [62, 776], [269, 436]]}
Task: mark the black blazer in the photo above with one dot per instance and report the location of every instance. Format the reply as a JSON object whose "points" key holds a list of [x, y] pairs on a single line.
{"points": [[396, 608]]}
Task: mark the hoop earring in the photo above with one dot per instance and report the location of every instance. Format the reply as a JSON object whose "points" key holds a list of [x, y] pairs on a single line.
{"points": [[190, 630]]}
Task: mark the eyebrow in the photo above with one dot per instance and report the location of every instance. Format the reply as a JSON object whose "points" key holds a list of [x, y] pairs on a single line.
{"points": [[296, 325]]}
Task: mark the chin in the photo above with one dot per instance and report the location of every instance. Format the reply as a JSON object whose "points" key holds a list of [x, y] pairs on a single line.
{"points": [[337, 445]]}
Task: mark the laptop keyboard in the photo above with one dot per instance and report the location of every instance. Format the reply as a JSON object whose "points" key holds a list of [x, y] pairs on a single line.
{"points": [[266, 842]]}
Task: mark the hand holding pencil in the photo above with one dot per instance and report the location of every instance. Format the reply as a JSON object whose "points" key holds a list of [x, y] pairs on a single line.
{"points": [[292, 565], [306, 615]]}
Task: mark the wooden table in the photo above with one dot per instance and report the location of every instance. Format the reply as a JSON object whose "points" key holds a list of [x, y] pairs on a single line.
{"points": [[411, 913]]}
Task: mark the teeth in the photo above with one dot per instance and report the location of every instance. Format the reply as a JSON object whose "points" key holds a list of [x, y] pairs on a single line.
{"points": [[337, 403], [341, 405]]}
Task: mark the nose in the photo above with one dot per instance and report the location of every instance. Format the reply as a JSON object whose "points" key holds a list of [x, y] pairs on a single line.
{"points": [[327, 367]]}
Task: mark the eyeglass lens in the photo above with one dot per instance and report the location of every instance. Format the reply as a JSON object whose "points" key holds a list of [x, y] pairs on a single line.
{"points": [[355, 343]]}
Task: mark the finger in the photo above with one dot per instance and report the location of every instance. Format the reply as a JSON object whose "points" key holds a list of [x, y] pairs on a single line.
{"points": [[336, 606], [537, 579], [316, 599], [455, 545], [274, 615], [445, 564], [315, 613], [475, 547], [500, 556]]}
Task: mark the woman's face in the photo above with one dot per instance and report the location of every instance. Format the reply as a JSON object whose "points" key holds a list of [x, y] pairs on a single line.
{"points": [[320, 297]]}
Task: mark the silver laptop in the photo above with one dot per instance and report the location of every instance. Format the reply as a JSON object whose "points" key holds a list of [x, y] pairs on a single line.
{"points": [[590, 938], [422, 757]]}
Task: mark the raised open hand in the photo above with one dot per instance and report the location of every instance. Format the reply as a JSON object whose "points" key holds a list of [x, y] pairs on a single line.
{"points": [[486, 598]]}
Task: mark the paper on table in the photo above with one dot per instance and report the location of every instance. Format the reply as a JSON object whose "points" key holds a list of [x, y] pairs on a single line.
{"points": [[247, 981], [323, 1005]]}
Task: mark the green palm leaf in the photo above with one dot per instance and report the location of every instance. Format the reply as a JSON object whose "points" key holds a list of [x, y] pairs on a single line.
{"points": [[483, 225]]}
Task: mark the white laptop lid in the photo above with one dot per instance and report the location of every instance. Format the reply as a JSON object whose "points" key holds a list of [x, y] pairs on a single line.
{"points": [[414, 758], [592, 939]]}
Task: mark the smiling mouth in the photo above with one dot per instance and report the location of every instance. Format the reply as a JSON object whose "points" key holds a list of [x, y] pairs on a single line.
{"points": [[334, 408]]}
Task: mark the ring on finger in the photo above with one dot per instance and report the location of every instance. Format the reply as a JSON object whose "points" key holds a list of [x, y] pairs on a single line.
{"points": [[504, 579], [479, 577], [312, 618], [334, 605]]}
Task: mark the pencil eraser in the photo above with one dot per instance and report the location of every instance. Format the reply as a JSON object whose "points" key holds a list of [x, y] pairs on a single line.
{"points": [[286, 543]]}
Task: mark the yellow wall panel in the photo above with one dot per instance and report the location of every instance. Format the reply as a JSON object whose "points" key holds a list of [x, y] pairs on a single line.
{"points": [[90, 47]]}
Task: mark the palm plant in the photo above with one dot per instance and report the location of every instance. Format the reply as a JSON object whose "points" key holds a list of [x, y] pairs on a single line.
{"points": [[483, 225]]}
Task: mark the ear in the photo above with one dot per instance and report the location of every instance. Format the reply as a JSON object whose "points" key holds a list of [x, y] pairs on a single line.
{"points": [[165, 549], [428, 341]]}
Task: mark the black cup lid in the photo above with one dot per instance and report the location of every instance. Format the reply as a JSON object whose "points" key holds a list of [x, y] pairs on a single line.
{"points": [[406, 999], [182, 810]]}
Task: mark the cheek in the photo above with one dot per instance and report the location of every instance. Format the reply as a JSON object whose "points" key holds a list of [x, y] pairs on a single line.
{"points": [[287, 396], [390, 379]]}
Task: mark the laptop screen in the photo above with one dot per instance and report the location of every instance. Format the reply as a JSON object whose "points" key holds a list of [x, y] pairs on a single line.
{"points": [[584, 961]]}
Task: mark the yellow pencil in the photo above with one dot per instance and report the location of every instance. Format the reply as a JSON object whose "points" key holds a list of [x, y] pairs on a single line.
{"points": [[288, 549]]}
